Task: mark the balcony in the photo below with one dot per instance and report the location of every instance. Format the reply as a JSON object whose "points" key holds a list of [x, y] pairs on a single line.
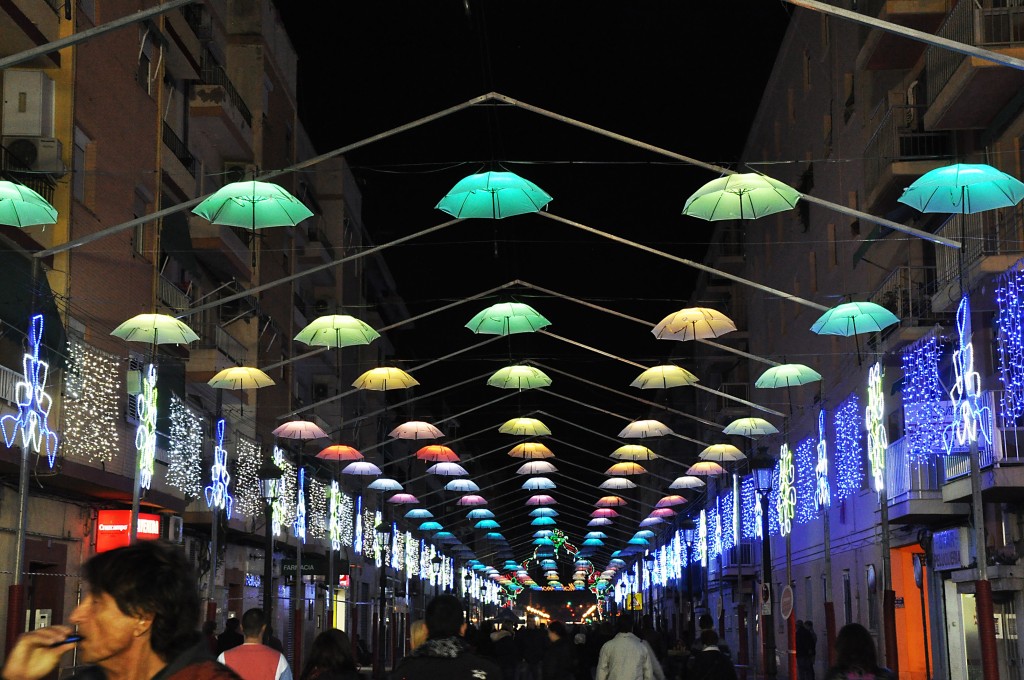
{"points": [[179, 164], [738, 561], [731, 407], [9, 379], [183, 42], [220, 248], [900, 151], [219, 113], [27, 25], [992, 242], [884, 50], [171, 296], [318, 250], [913, 487], [1002, 462], [967, 93], [215, 350], [907, 293]]}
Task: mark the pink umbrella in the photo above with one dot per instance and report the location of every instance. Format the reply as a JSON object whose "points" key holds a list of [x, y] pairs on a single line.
{"points": [[663, 512], [651, 521], [472, 499], [436, 453], [403, 498], [599, 522], [447, 469], [604, 512], [541, 499], [339, 452], [415, 429], [667, 501], [706, 468], [610, 501], [361, 467], [299, 429]]}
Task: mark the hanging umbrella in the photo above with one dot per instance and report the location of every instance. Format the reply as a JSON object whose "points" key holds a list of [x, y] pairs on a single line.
{"points": [[487, 524], [431, 526], [787, 375], [686, 482], [663, 512], [299, 429], [543, 512], [541, 499], [626, 468], [253, 205], [542, 521], [693, 323], [705, 468], [544, 541], [616, 483], [744, 196], [361, 468], [531, 450], [436, 453], [337, 330], [721, 453], [23, 207], [599, 522], [403, 499], [507, 318], [480, 513], [641, 429], [610, 501], [605, 513], [385, 378], [750, 427], [593, 541], [461, 486], [519, 377], [524, 427], [339, 452], [240, 378], [669, 501], [536, 467], [662, 377], [385, 484], [854, 318], [538, 484], [471, 499], [155, 329], [447, 469], [652, 521], [963, 188], [633, 452], [419, 513], [636, 540], [415, 429], [596, 534], [493, 195]]}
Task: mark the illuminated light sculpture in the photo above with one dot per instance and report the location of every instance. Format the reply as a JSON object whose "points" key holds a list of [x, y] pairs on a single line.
{"points": [[299, 525], [970, 418], [33, 418], [848, 450], [278, 507], [786, 501], [924, 398], [702, 538], [334, 525], [145, 434], [185, 450], [1010, 343], [874, 416], [822, 492], [217, 494], [92, 388], [805, 458]]}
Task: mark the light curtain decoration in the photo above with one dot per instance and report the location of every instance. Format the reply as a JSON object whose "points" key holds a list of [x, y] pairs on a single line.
{"points": [[924, 399], [217, 494], [299, 523], [1009, 322], [848, 450], [185, 450], [970, 418], [145, 434], [93, 387], [248, 495], [317, 509], [805, 459], [32, 422]]}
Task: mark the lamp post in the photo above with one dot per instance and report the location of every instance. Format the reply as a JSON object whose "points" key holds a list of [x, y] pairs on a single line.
{"points": [[689, 529], [269, 475], [383, 537], [649, 565], [763, 467]]}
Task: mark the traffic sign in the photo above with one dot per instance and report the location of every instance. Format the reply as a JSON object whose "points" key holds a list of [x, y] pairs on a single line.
{"points": [[786, 602]]}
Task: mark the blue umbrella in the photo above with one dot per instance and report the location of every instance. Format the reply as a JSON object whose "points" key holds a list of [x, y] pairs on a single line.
{"points": [[854, 318], [543, 512], [963, 188]]}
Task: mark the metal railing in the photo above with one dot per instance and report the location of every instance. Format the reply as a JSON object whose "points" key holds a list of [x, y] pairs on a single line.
{"points": [[215, 337], [739, 555], [906, 292], [908, 477], [180, 150], [1006, 447], [212, 73], [9, 379], [992, 232], [13, 169], [900, 137], [171, 295]]}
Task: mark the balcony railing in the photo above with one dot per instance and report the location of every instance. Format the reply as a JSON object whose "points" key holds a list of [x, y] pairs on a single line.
{"points": [[992, 232], [908, 477], [8, 381], [213, 73], [172, 296], [739, 555], [215, 337], [16, 171], [180, 150], [900, 137], [906, 292], [1006, 448]]}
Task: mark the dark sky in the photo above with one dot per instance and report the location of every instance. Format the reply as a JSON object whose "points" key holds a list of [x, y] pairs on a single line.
{"points": [[684, 76]]}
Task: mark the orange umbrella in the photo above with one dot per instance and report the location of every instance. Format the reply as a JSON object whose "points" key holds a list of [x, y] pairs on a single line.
{"points": [[437, 453], [339, 452], [626, 468], [706, 468], [667, 501], [609, 501]]}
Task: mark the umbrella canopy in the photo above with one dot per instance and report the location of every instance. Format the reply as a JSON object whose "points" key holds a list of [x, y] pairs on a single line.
{"points": [[705, 468], [599, 522], [641, 429], [487, 524], [461, 486], [610, 501], [431, 526], [471, 499], [415, 429], [507, 318], [361, 468], [750, 427], [686, 482], [596, 534], [662, 377], [531, 450], [480, 513], [651, 521], [253, 205], [536, 467], [241, 378], [669, 501], [419, 513], [593, 541], [615, 483], [605, 513], [542, 522], [493, 195], [337, 330], [403, 499], [693, 323], [23, 207], [963, 188], [541, 499], [339, 452], [524, 427], [854, 318], [663, 512], [155, 329], [626, 468], [787, 375], [538, 484], [633, 452], [721, 453], [744, 196], [543, 512], [385, 378], [299, 429], [436, 453], [385, 484], [519, 377], [447, 469]]}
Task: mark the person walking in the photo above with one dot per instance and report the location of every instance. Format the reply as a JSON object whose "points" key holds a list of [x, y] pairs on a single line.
{"points": [[625, 656], [445, 654], [856, 658], [710, 663], [560, 657], [330, 658], [805, 644], [231, 637], [531, 643], [503, 646], [252, 659]]}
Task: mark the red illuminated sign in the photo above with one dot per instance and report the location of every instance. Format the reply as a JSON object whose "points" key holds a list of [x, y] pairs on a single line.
{"points": [[112, 528], [343, 581]]}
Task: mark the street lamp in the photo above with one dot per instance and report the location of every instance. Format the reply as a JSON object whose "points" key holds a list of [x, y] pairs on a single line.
{"points": [[269, 475], [649, 565], [435, 564], [689, 529], [763, 468]]}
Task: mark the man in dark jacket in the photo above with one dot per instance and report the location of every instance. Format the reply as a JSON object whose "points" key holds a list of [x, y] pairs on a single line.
{"points": [[710, 663], [560, 658], [531, 643], [445, 654]]}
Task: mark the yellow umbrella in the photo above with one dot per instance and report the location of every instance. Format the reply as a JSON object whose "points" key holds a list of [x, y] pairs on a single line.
{"points": [[633, 452], [662, 377], [524, 427], [721, 453], [627, 468], [705, 468], [385, 378], [241, 378], [532, 450], [639, 429], [693, 323], [155, 329]]}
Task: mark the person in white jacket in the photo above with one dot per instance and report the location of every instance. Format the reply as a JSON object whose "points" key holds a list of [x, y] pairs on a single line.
{"points": [[625, 656]]}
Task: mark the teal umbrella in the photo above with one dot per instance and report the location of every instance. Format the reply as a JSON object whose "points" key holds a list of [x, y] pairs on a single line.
{"points": [[506, 318], [854, 318], [787, 375], [746, 196], [493, 195], [23, 207], [963, 188], [253, 205]]}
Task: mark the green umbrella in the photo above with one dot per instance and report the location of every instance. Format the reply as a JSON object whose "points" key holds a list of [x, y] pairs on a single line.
{"points": [[155, 329], [750, 427], [743, 196], [663, 377], [506, 318], [963, 188], [787, 375], [493, 195], [241, 378], [23, 207], [525, 427], [519, 377], [337, 330], [854, 318], [253, 205], [385, 378]]}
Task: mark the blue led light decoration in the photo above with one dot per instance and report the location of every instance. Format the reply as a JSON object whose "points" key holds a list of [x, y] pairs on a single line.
{"points": [[299, 525], [727, 518], [33, 418], [750, 509], [1009, 323], [822, 492], [701, 544], [848, 450], [805, 458], [786, 502], [145, 434], [217, 494], [970, 418], [874, 416], [924, 399]]}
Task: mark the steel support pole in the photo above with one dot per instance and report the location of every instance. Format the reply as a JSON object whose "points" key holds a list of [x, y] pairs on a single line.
{"points": [[888, 595], [767, 624], [982, 587]]}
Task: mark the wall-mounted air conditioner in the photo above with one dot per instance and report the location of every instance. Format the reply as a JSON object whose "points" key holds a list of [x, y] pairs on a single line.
{"points": [[39, 154]]}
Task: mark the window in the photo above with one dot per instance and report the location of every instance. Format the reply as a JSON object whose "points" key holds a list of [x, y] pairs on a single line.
{"points": [[79, 164], [833, 255], [847, 598], [140, 208], [872, 597], [144, 74]]}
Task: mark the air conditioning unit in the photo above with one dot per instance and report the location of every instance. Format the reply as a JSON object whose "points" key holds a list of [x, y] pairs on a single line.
{"points": [[173, 528], [40, 154], [238, 171]]}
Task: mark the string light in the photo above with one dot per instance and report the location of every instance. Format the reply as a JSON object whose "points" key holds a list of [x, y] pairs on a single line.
{"points": [[702, 538], [774, 500], [357, 531], [217, 495], [185, 450], [335, 516], [412, 556], [248, 496], [786, 502], [369, 526], [878, 438], [822, 492], [923, 398], [969, 418], [92, 388], [750, 509], [1009, 323], [805, 459], [317, 509], [284, 490], [347, 528], [726, 509], [299, 525], [33, 419], [145, 434], [849, 452]]}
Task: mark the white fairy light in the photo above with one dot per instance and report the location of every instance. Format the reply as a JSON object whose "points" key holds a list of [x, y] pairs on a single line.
{"points": [[185, 450], [92, 389]]}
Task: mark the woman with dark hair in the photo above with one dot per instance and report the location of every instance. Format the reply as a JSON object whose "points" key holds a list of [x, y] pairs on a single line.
{"points": [[560, 656], [330, 658], [855, 656]]}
